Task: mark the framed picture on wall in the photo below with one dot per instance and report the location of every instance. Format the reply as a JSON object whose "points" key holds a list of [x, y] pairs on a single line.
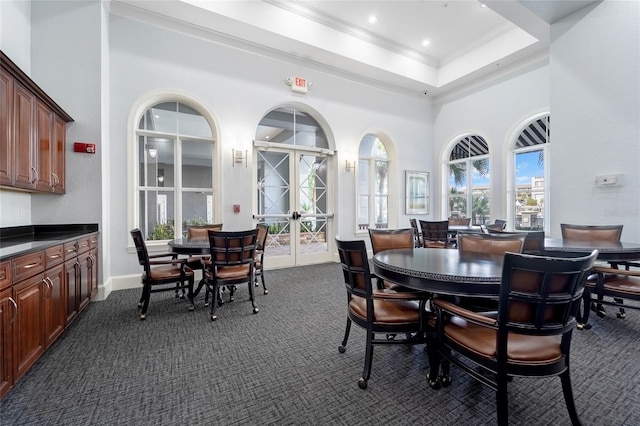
{"points": [[416, 192]]}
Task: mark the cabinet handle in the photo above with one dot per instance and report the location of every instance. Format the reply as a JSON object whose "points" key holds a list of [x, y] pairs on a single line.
{"points": [[15, 309], [35, 175], [47, 282], [71, 250], [3, 276], [31, 265], [54, 256]]}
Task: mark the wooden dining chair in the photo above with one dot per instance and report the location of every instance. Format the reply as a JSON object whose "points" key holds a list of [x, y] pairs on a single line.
{"points": [[594, 233], [377, 311], [531, 336], [261, 241], [459, 221], [416, 232], [435, 234], [232, 262], [533, 241], [195, 261], [162, 272]]}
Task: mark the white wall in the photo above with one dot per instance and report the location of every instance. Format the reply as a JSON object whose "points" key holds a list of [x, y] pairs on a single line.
{"points": [[238, 88], [595, 102], [491, 111], [15, 42]]}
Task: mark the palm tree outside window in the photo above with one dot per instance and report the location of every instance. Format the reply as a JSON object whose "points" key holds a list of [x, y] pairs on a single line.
{"points": [[469, 189], [372, 184]]}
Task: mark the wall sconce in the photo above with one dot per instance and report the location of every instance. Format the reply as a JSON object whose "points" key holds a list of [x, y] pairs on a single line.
{"points": [[349, 165], [239, 157], [152, 151]]}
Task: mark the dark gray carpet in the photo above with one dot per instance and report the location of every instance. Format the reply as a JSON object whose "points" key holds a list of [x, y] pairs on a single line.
{"points": [[282, 367]]}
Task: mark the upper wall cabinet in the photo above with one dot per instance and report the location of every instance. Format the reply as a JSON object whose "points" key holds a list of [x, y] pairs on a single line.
{"points": [[32, 134]]}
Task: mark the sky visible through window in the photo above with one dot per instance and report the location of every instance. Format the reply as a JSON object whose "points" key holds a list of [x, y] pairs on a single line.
{"points": [[527, 166]]}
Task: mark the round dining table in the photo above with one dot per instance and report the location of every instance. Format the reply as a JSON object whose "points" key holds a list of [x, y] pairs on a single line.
{"points": [[610, 251], [442, 271], [189, 246]]}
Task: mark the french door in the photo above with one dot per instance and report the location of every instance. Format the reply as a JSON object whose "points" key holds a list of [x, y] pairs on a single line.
{"points": [[293, 198]]}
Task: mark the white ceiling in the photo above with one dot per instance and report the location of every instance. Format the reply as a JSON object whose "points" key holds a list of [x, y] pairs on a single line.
{"points": [[467, 41]]}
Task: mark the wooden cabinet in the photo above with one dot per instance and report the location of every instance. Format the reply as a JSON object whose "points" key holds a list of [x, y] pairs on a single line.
{"points": [[55, 294], [6, 145], [8, 311], [40, 294], [33, 127]]}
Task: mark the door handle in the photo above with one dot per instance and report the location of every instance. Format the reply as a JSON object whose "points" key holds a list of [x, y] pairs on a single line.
{"points": [[296, 216]]}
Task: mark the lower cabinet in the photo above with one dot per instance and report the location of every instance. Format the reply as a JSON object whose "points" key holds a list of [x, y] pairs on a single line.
{"points": [[40, 294], [30, 341], [8, 311]]}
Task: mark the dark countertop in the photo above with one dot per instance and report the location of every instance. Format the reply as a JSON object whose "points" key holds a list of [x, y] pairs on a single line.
{"points": [[19, 240]]}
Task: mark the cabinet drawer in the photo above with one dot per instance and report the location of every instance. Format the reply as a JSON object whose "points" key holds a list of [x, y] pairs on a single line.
{"points": [[5, 275], [83, 244], [70, 250], [54, 255], [93, 241], [28, 265]]}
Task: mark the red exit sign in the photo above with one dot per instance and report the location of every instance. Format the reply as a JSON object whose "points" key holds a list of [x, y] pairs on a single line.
{"points": [[299, 84]]}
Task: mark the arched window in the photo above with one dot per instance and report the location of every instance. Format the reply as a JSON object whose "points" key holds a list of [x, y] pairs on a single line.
{"points": [[174, 170], [530, 178], [372, 184], [469, 193]]}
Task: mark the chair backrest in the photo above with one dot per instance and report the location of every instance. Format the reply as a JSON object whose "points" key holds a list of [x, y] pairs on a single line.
{"points": [[490, 243], [533, 242], [355, 268], [263, 232], [201, 231], [500, 222], [386, 239], [540, 295], [435, 230], [591, 232], [232, 248], [141, 247], [459, 221], [495, 226], [416, 230]]}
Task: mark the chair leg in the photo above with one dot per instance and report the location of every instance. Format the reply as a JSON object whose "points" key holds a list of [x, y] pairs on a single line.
{"points": [[264, 286], [368, 359], [192, 305], [567, 390], [502, 402], [343, 346], [213, 289], [146, 295], [434, 361], [253, 297]]}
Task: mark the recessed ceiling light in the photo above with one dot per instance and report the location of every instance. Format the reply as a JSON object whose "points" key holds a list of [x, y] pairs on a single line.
{"points": [[483, 5], [426, 42], [373, 19]]}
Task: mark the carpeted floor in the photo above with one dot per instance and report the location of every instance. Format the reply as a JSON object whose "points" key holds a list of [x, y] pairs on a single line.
{"points": [[282, 367]]}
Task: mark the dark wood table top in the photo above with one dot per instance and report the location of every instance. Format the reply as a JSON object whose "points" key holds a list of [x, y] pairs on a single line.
{"points": [[189, 246], [609, 251], [443, 271]]}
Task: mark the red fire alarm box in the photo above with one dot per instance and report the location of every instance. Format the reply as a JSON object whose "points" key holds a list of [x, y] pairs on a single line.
{"points": [[88, 148]]}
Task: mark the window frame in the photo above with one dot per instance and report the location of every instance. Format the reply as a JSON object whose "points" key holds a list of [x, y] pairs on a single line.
{"points": [[137, 111], [371, 177]]}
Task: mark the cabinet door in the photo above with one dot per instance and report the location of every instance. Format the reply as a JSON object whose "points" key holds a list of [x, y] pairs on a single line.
{"points": [[23, 121], [44, 148], [58, 162], [93, 272], [6, 141], [30, 339], [71, 280], [8, 311], [84, 282], [55, 303]]}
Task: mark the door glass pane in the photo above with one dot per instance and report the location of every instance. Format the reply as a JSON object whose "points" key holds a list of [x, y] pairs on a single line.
{"points": [[274, 199], [313, 200]]}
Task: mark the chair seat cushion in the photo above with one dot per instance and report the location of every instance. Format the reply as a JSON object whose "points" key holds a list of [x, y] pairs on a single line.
{"points": [[620, 284], [231, 272], [167, 272], [387, 312], [520, 348]]}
